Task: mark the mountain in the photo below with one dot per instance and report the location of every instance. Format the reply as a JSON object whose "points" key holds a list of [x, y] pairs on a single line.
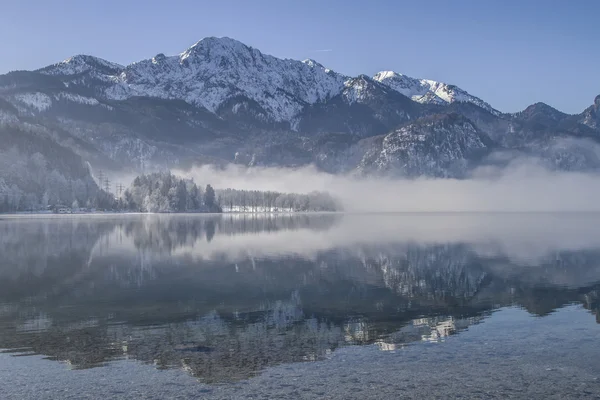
{"points": [[36, 171], [216, 70], [591, 116], [429, 92], [223, 75], [83, 64], [541, 114], [221, 102], [364, 107], [209, 74], [439, 145]]}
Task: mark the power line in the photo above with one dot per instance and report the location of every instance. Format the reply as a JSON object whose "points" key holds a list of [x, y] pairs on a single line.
{"points": [[106, 185]]}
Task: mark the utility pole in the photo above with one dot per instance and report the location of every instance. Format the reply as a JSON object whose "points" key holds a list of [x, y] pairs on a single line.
{"points": [[106, 185], [100, 178], [120, 189]]}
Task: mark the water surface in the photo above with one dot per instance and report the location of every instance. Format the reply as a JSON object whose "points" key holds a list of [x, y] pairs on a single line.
{"points": [[300, 306]]}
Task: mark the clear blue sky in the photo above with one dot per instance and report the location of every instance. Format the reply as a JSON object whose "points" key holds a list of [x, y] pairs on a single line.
{"points": [[511, 53]]}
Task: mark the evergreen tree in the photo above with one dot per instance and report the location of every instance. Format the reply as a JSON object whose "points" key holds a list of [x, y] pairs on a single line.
{"points": [[193, 199], [209, 197], [181, 196]]}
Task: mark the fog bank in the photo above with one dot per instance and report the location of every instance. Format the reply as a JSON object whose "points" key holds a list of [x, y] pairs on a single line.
{"points": [[521, 187]]}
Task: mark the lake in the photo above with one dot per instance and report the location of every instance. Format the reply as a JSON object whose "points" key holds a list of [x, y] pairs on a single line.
{"points": [[366, 306]]}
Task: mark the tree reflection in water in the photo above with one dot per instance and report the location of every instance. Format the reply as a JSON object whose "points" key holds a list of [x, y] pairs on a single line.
{"points": [[224, 297]]}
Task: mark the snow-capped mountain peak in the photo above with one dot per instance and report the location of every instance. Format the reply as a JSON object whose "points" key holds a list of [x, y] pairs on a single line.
{"points": [[313, 63], [81, 63], [427, 91], [217, 72], [214, 70], [410, 87], [214, 47]]}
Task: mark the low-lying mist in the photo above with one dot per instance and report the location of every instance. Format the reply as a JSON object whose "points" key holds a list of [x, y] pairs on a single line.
{"points": [[526, 240], [522, 186]]}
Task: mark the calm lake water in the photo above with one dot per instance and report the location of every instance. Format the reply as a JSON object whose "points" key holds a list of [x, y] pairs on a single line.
{"points": [[300, 306]]}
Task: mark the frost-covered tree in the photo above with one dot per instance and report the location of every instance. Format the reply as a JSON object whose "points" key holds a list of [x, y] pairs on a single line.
{"points": [[257, 201], [164, 192], [37, 173]]}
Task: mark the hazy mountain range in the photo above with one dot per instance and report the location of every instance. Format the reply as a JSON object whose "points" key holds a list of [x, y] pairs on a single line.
{"points": [[221, 102]]}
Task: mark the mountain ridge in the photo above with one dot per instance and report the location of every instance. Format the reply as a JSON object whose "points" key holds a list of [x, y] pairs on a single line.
{"points": [[221, 102], [159, 76]]}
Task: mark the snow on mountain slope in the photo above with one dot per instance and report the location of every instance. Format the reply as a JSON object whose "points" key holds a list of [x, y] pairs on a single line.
{"points": [[591, 116], [439, 145], [429, 92], [217, 69], [38, 101], [356, 90], [7, 117], [82, 63], [90, 101], [221, 72]]}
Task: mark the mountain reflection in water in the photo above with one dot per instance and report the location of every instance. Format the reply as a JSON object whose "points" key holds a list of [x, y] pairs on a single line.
{"points": [[224, 297]]}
